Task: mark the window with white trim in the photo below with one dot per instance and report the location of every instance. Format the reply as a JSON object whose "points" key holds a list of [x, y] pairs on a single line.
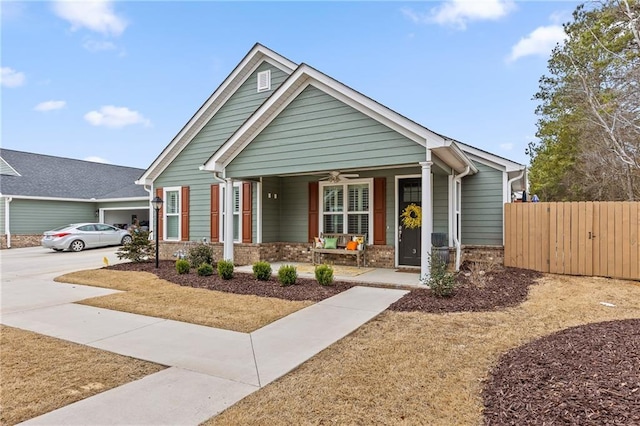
{"points": [[171, 209], [264, 81], [346, 207], [237, 212]]}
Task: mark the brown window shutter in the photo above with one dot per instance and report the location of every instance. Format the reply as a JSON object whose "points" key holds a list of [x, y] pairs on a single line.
{"points": [[314, 211], [246, 212], [379, 211], [159, 225], [215, 213], [184, 214]]}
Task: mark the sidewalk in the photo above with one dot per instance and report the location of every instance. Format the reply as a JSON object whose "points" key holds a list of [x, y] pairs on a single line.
{"points": [[209, 369]]}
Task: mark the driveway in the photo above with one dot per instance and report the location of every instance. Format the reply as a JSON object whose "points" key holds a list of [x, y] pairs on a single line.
{"points": [[27, 274]]}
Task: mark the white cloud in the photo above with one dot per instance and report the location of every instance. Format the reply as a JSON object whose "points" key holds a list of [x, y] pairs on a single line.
{"points": [[94, 15], [50, 106], [540, 42], [98, 46], [11, 78], [112, 116], [458, 13], [506, 146], [95, 159]]}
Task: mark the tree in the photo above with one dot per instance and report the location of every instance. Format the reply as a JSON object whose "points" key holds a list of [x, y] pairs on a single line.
{"points": [[589, 125]]}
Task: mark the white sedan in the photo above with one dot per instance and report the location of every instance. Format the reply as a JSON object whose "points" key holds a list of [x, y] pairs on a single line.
{"points": [[78, 236]]}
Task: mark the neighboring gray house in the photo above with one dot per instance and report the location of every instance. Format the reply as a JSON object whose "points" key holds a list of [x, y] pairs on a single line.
{"points": [[297, 153], [41, 192]]}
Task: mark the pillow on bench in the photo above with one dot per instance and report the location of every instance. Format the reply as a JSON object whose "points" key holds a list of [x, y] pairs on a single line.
{"points": [[352, 245], [330, 243]]}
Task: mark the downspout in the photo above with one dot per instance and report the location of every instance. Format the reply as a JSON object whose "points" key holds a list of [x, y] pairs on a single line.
{"points": [[456, 222], [510, 198], [7, 221], [513, 179]]}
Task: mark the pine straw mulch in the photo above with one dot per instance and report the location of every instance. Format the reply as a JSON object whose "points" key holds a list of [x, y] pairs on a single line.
{"points": [[584, 375]]}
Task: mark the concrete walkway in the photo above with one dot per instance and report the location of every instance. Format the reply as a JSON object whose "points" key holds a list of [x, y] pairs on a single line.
{"points": [[209, 369]]}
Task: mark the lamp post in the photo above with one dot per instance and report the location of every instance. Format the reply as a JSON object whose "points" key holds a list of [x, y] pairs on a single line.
{"points": [[157, 205]]}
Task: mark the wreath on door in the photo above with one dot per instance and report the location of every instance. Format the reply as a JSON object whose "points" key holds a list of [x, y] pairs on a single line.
{"points": [[412, 216]]}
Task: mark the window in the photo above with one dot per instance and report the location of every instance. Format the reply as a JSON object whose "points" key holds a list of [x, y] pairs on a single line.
{"points": [[237, 211], [346, 207], [171, 213], [264, 81]]}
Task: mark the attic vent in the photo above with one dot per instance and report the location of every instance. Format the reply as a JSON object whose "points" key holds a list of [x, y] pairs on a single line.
{"points": [[264, 81]]}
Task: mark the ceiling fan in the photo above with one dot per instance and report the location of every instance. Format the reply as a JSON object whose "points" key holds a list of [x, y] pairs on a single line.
{"points": [[336, 176]]}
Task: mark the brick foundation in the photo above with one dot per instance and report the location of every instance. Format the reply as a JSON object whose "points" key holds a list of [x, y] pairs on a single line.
{"points": [[494, 254], [21, 241]]}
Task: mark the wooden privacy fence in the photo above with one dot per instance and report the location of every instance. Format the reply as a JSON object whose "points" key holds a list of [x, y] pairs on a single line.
{"points": [[578, 238]]}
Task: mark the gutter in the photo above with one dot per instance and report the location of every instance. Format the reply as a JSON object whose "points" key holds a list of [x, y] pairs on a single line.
{"points": [[458, 179]]}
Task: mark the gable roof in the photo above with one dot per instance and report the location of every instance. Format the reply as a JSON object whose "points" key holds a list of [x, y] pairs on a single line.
{"points": [[241, 72], [455, 154], [304, 76], [46, 176]]}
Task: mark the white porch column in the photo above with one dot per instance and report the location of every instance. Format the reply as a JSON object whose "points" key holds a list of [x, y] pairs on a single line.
{"points": [[228, 220], [427, 217]]}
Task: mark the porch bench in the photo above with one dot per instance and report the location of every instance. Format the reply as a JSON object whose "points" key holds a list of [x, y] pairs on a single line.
{"points": [[341, 247]]}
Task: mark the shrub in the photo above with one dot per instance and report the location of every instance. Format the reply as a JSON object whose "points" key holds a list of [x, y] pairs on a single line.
{"points": [[287, 275], [205, 270], [225, 269], [262, 271], [441, 281], [182, 266], [139, 249], [324, 274], [200, 254]]}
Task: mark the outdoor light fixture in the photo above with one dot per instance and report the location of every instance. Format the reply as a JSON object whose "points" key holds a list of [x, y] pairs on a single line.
{"points": [[157, 205]]}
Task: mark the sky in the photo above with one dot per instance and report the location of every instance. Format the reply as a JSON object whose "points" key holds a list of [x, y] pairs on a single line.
{"points": [[115, 81]]}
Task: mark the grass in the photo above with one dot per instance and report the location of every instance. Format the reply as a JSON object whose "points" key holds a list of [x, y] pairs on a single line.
{"points": [[400, 368], [416, 368], [41, 373], [146, 294]]}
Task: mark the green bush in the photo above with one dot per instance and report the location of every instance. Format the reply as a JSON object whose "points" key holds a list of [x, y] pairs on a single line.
{"points": [[200, 254], [205, 270], [182, 266], [441, 281], [287, 275], [262, 271], [225, 269], [139, 249], [324, 274]]}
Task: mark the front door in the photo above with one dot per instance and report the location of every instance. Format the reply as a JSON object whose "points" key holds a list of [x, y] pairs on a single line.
{"points": [[409, 192]]}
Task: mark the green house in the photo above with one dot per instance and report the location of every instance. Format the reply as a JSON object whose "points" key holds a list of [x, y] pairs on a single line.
{"points": [[281, 153], [42, 192]]}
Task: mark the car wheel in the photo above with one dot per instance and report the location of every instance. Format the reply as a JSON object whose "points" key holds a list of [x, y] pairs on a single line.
{"points": [[126, 239], [76, 245]]}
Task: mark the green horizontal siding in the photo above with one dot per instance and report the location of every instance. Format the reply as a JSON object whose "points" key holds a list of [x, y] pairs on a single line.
{"points": [[184, 170], [271, 210], [482, 205], [441, 203], [318, 132], [2, 204], [30, 217]]}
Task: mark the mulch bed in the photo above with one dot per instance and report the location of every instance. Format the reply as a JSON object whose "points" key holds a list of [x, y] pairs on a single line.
{"points": [[500, 288], [585, 375], [241, 283]]}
